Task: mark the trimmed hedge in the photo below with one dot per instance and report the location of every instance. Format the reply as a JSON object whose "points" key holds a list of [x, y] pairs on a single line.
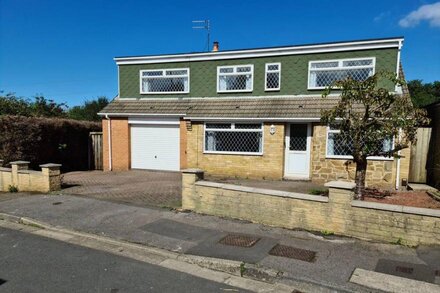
{"points": [[46, 140]]}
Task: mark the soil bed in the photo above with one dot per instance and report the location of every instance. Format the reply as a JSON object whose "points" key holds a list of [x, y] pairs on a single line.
{"points": [[420, 199]]}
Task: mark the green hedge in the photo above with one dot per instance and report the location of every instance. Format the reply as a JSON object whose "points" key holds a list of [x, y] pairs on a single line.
{"points": [[46, 140]]}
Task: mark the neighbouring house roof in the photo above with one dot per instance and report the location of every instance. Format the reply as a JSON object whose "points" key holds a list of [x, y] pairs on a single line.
{"points": [[255, 108]]}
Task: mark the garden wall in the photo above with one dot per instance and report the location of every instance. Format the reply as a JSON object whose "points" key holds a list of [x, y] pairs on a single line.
{"points": [[41, 140], [337, 213], [23, 179]]}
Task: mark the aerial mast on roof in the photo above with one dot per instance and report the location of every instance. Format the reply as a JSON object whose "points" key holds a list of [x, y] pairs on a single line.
{"points": [[203, 24]]}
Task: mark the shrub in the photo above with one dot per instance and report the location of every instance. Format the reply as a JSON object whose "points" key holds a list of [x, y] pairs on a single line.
{"points": [[46, 140], [12, 188], [319, 191]]}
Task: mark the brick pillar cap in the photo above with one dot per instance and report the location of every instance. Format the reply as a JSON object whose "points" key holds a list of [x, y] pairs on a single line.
{"points": [[50, 165], [340, 185], [20, 163], [192, 171]]}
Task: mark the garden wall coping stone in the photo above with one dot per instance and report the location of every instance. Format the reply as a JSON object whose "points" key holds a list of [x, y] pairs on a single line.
{"points": [[396, 208], [279, 193]]}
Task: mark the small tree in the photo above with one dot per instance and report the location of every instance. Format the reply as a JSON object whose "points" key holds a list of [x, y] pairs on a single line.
{"points": [[368, 114], [89, 110]]}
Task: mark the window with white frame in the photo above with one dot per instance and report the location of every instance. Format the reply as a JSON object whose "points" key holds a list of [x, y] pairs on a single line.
{"points": [[164, 81], [240, 138], [273, 76], [325, 72], [237, 78], [340, 146]]}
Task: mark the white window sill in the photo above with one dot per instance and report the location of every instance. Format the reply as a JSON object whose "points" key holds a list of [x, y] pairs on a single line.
{"points": [[351, 158], [163, 93], [235, 91], [272, 90], [232, 153]]}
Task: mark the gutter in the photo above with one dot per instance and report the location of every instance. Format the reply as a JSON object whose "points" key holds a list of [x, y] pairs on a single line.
{"points": [[109, 128], [398, 165]]}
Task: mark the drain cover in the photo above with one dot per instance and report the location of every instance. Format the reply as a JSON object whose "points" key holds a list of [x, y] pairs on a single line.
{"points": [[293, 252], [239, 240], [405, 270], [57, 203]]}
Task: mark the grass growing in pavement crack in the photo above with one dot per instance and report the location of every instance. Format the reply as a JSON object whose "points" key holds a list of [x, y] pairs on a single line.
{"points": [[242, 268], [32, 225]]}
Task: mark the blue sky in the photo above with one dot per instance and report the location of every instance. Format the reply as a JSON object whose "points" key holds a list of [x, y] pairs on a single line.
{"points": [[64, 49]]}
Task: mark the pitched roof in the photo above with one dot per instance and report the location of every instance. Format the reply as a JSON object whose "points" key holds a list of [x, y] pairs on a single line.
{"points": [[293, 107]]}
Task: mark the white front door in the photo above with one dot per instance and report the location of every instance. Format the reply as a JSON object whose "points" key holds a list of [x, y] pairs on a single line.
{"points": [[297, 158]]}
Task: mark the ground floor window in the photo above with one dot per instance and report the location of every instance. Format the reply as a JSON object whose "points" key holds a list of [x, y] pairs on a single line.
{"points": [[340, 146], [238, 138]]}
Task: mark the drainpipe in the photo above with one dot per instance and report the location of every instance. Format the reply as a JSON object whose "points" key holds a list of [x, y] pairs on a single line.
{"points": [[109, 127], [398, 165]]}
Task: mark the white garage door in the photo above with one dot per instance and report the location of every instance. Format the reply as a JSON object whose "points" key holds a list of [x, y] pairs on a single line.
{"points": [[155, 147]]}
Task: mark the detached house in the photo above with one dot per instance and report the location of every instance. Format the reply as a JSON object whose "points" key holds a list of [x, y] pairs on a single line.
{"points": [[252, 113]]}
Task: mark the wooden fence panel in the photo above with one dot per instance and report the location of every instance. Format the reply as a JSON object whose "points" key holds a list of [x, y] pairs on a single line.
{"points": [[419, 155], [95, 151]]}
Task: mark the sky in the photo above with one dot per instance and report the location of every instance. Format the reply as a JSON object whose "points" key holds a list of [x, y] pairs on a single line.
{"points": [[64, 50]]}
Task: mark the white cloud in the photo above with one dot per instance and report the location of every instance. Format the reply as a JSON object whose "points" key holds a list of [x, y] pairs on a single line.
{"points": [[429, 12], [381, 16]]}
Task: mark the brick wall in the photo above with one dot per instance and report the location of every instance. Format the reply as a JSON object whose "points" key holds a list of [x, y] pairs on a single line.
{"points": [[379, 173], [120, 140], [183, 143], [270, 165], [338, 213]]}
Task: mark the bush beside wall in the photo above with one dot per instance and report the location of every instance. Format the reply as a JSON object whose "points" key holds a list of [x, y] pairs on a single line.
{"points": [[42, 140]]}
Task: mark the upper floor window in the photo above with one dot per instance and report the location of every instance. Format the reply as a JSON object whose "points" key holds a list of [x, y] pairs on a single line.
{"points": [[324, 73], [273, 76], [164, 81], [237, 78]]}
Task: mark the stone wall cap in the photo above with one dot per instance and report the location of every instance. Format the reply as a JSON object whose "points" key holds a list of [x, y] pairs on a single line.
{"points": [[50, 165], [396, 208], [19, 163], [340, 185], [279, 193], [192, 171]]}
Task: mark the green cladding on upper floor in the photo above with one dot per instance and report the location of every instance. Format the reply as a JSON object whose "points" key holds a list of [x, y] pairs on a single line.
{"points": [[275, 71]]}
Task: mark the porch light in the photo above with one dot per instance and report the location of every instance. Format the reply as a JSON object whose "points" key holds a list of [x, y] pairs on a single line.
{"points": [[272, 129]]}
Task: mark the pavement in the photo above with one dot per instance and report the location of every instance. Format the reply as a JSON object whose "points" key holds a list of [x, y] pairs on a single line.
{"points": [[333, 262], [63, 267]]}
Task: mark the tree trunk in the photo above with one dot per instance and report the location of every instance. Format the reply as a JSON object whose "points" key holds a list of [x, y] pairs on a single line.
{"points": [[361, 170]]}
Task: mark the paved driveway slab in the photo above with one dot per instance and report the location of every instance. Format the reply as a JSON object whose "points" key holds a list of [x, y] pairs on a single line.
{"points": [[136, 187]]}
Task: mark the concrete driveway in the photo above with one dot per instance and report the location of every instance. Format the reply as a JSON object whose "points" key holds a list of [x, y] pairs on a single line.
{"points": [[138, 187]]}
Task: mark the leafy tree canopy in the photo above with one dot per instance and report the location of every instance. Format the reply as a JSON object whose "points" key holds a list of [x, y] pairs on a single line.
{"points": [[40, 106], [368, 114], [89, 110], [423, 94]]}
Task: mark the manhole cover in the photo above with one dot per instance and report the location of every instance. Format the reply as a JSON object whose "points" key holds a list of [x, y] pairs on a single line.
{"points": [[239, 240], [405, 270], [293, 252]]}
